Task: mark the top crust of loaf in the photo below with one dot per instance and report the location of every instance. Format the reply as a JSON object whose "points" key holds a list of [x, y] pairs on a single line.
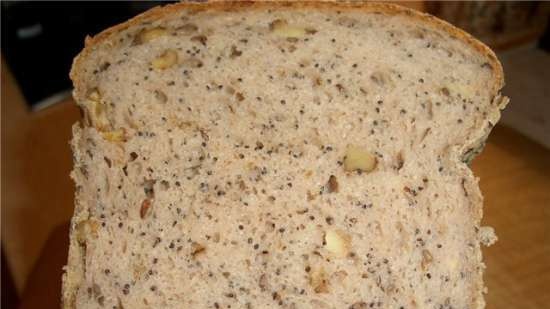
{"points": [[91, 43]]}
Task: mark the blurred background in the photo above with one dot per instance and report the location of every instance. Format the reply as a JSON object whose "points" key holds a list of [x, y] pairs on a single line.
{"points": [[40, 39]]}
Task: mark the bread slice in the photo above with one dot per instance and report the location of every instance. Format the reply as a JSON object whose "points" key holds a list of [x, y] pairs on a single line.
{"points": [[293, 155]]}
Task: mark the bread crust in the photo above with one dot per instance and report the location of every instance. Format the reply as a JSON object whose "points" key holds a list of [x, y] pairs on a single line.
{"points": [[383, 8]]}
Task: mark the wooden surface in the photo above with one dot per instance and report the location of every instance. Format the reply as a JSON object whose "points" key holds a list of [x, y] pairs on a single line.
{"points": [[37, 193], [515, 180], [37, 196]]}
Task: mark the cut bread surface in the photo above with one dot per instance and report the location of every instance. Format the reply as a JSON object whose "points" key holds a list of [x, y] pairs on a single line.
{"points": [[301, 155]]}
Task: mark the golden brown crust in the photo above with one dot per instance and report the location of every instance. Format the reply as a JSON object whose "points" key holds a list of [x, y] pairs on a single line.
{"points": [[384, 8]]}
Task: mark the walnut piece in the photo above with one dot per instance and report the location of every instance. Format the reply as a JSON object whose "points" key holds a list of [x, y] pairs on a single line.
{"points": [[338, 243], [318, 281], [359, 159], [281, 28], [97, 111], [151, 34], [85, 229], [116, 136], [167, 59]]}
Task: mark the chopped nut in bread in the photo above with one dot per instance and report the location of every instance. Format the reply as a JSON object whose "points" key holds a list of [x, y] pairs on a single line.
{"points": [[148, 35], [318, 280], [337, 242], [86, 229], [359, 159], [167, 59], [281, 28], [116, 136], [97, 111]]}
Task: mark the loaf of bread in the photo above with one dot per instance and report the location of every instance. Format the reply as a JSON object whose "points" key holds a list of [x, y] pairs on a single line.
{"points": [[280, 155]]}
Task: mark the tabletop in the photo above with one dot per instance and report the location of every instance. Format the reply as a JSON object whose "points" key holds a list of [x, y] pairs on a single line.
{"points": [[515, 180]]}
